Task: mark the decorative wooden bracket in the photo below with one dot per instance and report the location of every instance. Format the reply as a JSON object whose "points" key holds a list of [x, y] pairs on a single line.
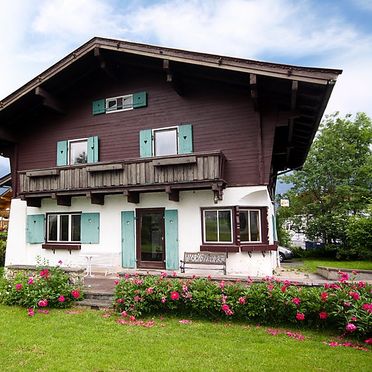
{"points": [[249, 254], [103, 63], [217, 189], [132, 196], [96, 198], [173, 195], [33, 202], [49, 101], [263, 253], [254, 90], [64, 200], [176, 83]]}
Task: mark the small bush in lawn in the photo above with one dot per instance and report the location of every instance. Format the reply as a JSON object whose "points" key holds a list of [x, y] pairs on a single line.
{"points": [[50, 287], [344, 305]]}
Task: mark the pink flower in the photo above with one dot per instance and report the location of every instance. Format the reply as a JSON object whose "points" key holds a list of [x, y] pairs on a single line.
{"points": [[270, 287], [334, 343], [368, 341], [323, 315], [124, 314], [347, 304], [18, 286], [75, 294], [185, 321], [361, 284], [226, 309], [324, 296], [30, 312], [44, 273], [163, 300], [61, 299], [284, 288], [175, 296], [354, 295], [350, 327], [150, 290], [300, 316], [30, 280], [185, 288], [174, 274], [132, 318], [163, 274], [242, 300], [343, 276], [209, 277], [126, 276], [296, 301], [43, 303], [222, 284], [116, 282], [367, 307], [119, 301], [137, 298]]}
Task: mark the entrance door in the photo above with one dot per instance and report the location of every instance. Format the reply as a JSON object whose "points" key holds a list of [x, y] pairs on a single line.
{"points": [[150, 238]]}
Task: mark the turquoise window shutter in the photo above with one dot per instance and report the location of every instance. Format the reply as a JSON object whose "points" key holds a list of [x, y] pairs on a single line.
{"points": [[35, 229], [171, 239], [98, 107], [128, 239], [139, 100], [185, 139], [93, 149], [89, 228], [62, 153], [145, 143]]}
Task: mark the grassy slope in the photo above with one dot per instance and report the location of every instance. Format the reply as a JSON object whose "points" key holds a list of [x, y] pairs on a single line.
{"points": [[310, 264], [88, 342]]}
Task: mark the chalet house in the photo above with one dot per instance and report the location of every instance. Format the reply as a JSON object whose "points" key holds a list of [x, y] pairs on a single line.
{"points": [[143, 153]]}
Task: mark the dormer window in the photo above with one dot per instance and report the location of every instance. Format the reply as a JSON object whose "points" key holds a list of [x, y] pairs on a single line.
{"points": [[120, 103]]}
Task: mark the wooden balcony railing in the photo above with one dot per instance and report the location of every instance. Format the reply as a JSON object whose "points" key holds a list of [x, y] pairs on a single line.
{"points": [[177, 172]]}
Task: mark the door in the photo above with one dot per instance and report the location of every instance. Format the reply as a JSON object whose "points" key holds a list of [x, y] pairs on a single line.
{"points": [[150, 238]]}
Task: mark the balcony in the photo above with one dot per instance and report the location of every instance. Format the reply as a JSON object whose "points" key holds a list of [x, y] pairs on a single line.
{"points": [[169, 174]]}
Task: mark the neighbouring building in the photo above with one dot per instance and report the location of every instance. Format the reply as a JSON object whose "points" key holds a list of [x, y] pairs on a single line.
{"points": [[144, 152]]}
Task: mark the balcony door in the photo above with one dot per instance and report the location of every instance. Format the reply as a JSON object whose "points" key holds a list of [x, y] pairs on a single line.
{"points": [[150, 238]]}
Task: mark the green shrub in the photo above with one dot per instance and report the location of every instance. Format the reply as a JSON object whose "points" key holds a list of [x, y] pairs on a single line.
{"points": [[50, 287], [2, 252], [271, 302], [359, 238]]}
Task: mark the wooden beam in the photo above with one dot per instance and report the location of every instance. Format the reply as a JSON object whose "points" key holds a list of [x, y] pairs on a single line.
{"points": [[254, 90], [33, 202], [7, 136], [103, 63], [96, 198], [132, 196], [294, 91], [49, 101], [64, 200], [173, 195]]}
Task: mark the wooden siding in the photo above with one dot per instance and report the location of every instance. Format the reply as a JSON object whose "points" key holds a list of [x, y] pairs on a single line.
{"points": [[222, 116], [142, 173]]}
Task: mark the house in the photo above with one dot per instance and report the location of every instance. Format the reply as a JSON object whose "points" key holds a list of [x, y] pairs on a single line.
{"points": [[5, 199], [144, 153]]}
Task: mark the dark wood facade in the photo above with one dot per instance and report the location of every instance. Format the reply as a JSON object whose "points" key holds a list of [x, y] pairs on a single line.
{"points": [[244, 124]]}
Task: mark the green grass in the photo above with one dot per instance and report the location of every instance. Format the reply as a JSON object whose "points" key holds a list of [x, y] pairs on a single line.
{"points": [[310, 264], [87, 341]]}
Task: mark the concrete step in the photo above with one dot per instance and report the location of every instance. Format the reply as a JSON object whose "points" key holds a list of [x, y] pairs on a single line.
{"points": [[95, 303], [98, 295]]}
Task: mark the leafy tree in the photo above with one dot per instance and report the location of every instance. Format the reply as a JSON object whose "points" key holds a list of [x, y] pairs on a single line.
{"points": [[335, 182]]}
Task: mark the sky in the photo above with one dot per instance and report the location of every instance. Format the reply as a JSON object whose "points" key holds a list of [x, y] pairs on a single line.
{"points": [[319, 33]]}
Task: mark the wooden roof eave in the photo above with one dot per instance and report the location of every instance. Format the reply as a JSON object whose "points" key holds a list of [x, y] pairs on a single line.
{"points": [[305, 74]]}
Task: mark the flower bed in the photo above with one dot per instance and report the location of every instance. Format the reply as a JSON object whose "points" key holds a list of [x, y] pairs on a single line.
{"points": [[344, 305], [44, 288]]}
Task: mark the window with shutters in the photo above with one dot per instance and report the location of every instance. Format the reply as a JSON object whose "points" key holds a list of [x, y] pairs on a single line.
{"points": [[165, 141], [63, 227], [78, 151]]}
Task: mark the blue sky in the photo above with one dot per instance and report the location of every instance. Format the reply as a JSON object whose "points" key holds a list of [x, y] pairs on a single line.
{"points": [[326, 33]]}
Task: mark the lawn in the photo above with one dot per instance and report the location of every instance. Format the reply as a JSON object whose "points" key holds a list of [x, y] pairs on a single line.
{"points": [[87, 340], [310, 264]]}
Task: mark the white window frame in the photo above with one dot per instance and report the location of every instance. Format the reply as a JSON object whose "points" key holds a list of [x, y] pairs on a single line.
{"points": [[249, 225], [205, 241], [69, 149], [110, 111], [58, 227], [162, 130]]}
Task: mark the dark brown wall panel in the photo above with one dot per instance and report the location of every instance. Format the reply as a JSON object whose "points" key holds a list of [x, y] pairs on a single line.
{"points": [[222, 117]]}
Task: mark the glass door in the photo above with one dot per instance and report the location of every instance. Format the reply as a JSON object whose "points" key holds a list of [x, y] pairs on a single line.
{"points": [[150, 238]]}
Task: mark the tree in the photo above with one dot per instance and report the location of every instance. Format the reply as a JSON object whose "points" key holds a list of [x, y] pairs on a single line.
{"points": [[335, 182]]}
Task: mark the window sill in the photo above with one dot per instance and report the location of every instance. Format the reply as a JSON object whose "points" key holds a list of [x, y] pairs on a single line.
{"points": [[219, 248], [258, 247], [62, 246]]}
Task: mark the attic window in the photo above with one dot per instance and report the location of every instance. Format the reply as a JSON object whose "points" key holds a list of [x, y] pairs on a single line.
{"points": [[120, 103]]}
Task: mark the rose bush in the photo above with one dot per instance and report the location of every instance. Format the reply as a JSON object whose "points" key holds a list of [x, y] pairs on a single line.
{"points": [[49, 287], [335, 305]]}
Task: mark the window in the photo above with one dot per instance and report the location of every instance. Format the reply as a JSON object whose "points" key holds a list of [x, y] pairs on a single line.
{"points": [[78, 151], [165, 142], [63, 227], [250, 225], [120, 103], [218, 226]]}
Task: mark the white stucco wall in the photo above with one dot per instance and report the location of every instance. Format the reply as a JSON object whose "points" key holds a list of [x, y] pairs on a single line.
{"points": [[189, 219]]}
